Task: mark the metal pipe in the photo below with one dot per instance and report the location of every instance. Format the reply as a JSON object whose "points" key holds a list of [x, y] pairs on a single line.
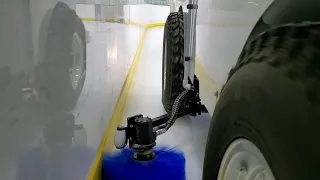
{"points": [[192, 40], [186, 23], [190, 44]]}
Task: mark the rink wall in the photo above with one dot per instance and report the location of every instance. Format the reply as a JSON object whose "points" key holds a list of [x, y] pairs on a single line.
{"points": [[89, 12], [146, 13], [142, 14], [86, 11]]}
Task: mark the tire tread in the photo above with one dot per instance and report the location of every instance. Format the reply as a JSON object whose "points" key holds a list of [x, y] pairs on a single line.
{"points": [[295, 51], [174, 31]]}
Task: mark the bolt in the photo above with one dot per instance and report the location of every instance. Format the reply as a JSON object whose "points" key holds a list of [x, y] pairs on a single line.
{"points": [[262, 177], [243, 166], [216, 94]]}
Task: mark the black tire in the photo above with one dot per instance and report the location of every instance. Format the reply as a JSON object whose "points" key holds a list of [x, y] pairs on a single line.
{"points": [[64, 23], [82, 33], [172, 59], [272, 99]]}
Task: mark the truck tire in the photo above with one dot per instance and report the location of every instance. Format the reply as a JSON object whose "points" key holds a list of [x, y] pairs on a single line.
{"points": [[172, 59], [64, 60], [80, 29], [269, 109]]}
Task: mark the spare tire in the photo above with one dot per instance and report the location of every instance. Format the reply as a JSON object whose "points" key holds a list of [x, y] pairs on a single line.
{"points": [[172, 59], [60, 76], [266, 122]]}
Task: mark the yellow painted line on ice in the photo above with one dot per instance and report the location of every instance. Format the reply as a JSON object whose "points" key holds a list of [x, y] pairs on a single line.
{"points": [[117, 117], [93, 19], [109, 20], [135, 24], [107, 141], [87, 19], [149, 26], [122, 100]]}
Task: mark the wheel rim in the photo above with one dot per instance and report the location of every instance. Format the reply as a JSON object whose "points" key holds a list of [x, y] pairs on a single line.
{"points": [[164, 65], [76, 71], [244, 161]]}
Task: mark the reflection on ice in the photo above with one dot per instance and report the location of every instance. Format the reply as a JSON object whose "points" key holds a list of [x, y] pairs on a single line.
{"points": [[59, 82]]}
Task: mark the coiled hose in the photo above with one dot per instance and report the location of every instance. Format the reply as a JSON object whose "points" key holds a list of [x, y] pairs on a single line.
{"points": [[175, 109]]}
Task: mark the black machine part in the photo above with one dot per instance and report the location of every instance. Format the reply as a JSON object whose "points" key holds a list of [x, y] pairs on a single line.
{"points": [[141, 132]]}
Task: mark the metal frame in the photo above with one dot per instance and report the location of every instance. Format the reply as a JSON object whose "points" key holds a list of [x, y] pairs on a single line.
{"points": [[190, 19]]}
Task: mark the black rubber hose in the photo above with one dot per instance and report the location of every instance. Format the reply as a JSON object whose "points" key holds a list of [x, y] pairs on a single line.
{"points": [[175, 109]]}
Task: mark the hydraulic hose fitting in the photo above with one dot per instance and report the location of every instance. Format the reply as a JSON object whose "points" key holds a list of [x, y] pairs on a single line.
{"points": [[146, 155]]}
